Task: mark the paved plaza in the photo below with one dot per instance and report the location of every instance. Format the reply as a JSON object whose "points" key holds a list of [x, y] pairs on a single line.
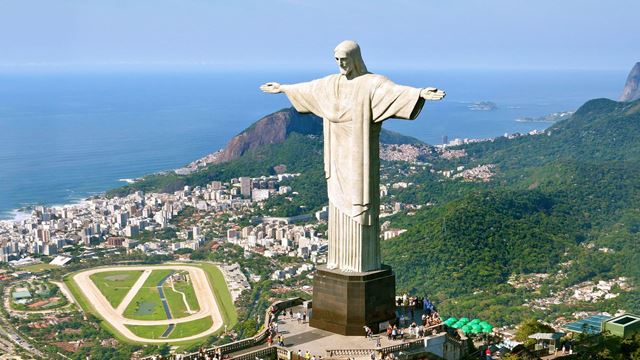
{"points": [[298, 335]]}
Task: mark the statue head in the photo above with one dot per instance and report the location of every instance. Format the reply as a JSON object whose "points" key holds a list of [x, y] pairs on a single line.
{"points": [[349, 59]]}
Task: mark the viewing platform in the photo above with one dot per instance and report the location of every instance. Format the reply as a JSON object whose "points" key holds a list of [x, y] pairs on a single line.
{"points": [[300, 338]]}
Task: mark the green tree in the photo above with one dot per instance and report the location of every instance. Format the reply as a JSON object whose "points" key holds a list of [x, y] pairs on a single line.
{"points": [[529, 327]]}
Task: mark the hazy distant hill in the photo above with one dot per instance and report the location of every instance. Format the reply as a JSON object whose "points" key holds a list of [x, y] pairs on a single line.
{"points": [[631, 89]]}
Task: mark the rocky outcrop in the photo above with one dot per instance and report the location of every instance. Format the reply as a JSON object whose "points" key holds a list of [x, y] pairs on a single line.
{"points": [[632, 87], [271, 129], [274, 128]]}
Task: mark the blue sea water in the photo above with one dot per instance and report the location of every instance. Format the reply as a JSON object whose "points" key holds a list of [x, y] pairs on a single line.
{"points": [[65, 136]]}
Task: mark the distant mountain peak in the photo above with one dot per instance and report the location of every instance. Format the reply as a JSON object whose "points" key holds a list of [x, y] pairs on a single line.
{"points": [[631, 89]]}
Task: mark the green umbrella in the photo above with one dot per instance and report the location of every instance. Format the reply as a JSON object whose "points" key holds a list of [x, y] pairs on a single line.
{"points": [[487, 330], [465, 319], [452, 319], [457, 325], [483, 323], [476, 327], [475, 331], [475, 321], [467, 330]]}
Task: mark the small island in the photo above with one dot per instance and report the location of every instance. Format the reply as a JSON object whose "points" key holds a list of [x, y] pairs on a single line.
{"points": [[482, 106]]}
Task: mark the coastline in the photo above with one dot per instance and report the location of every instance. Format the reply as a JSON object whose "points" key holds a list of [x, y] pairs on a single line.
{"points": [[19, 215], [23, 213]]}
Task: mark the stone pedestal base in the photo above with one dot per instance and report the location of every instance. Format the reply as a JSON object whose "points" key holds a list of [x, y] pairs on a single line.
{"points": [[343, 303]]}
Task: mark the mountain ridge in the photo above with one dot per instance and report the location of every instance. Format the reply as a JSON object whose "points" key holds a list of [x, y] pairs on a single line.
{"points": [[555, 201], [274, 129]]}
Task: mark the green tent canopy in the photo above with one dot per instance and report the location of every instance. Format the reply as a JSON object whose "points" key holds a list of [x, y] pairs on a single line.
{"points": [[474, 326]]}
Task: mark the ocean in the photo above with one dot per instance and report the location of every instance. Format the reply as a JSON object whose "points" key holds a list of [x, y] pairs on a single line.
{"points": [[69, 135]]}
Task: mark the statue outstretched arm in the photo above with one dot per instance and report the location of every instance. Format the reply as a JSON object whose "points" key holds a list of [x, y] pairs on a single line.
{"points": [[303, 96], [433, 94], [272, 88]]}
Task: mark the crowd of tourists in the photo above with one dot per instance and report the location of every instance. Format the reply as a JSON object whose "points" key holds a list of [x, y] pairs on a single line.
{"points": [[407, 324]]}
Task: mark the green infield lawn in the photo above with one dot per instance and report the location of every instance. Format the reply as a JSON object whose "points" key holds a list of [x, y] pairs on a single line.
{"points": [[115, 285], [36, 268], [187, 289], [146, 305], [176, 301], [220, 290], [181, 330]]}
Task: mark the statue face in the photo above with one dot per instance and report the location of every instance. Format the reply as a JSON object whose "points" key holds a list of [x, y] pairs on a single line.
{"points": [[345, 64]]}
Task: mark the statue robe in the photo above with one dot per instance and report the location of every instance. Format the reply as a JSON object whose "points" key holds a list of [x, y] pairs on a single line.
{"points": [[351, 126]]}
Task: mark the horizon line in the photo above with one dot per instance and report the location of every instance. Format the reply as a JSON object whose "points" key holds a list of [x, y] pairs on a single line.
{"points": [[162, 67]]}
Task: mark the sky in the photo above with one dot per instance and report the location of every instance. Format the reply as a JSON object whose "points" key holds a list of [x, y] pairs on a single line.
{"points": [[301, 34]]}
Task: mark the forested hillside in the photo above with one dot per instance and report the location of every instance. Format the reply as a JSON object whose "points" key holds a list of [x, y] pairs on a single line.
{"points": [[555, 202]]}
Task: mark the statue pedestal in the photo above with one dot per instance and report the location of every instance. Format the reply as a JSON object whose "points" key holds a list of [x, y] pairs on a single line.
{"points": [[343, 303]]}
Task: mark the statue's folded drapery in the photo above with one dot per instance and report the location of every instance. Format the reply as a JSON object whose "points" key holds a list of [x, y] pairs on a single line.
{"points": [[352, 124]]}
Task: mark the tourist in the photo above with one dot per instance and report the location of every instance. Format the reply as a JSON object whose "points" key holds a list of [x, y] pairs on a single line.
{"points": [[304, 317], [389, 332], [299, 317], [367, 332], [307, 356], [413, 329], [299, 354], [269, 340], [394, 332]]}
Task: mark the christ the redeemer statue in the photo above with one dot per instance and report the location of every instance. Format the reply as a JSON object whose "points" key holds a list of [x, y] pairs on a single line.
{"points": [[353, 104]]}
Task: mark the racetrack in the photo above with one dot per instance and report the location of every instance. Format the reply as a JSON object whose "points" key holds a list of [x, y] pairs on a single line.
{"points": [[208, 305]]}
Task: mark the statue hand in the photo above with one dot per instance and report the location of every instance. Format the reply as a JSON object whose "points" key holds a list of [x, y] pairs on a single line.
{"points": [[271, 88], [432, 94]]}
